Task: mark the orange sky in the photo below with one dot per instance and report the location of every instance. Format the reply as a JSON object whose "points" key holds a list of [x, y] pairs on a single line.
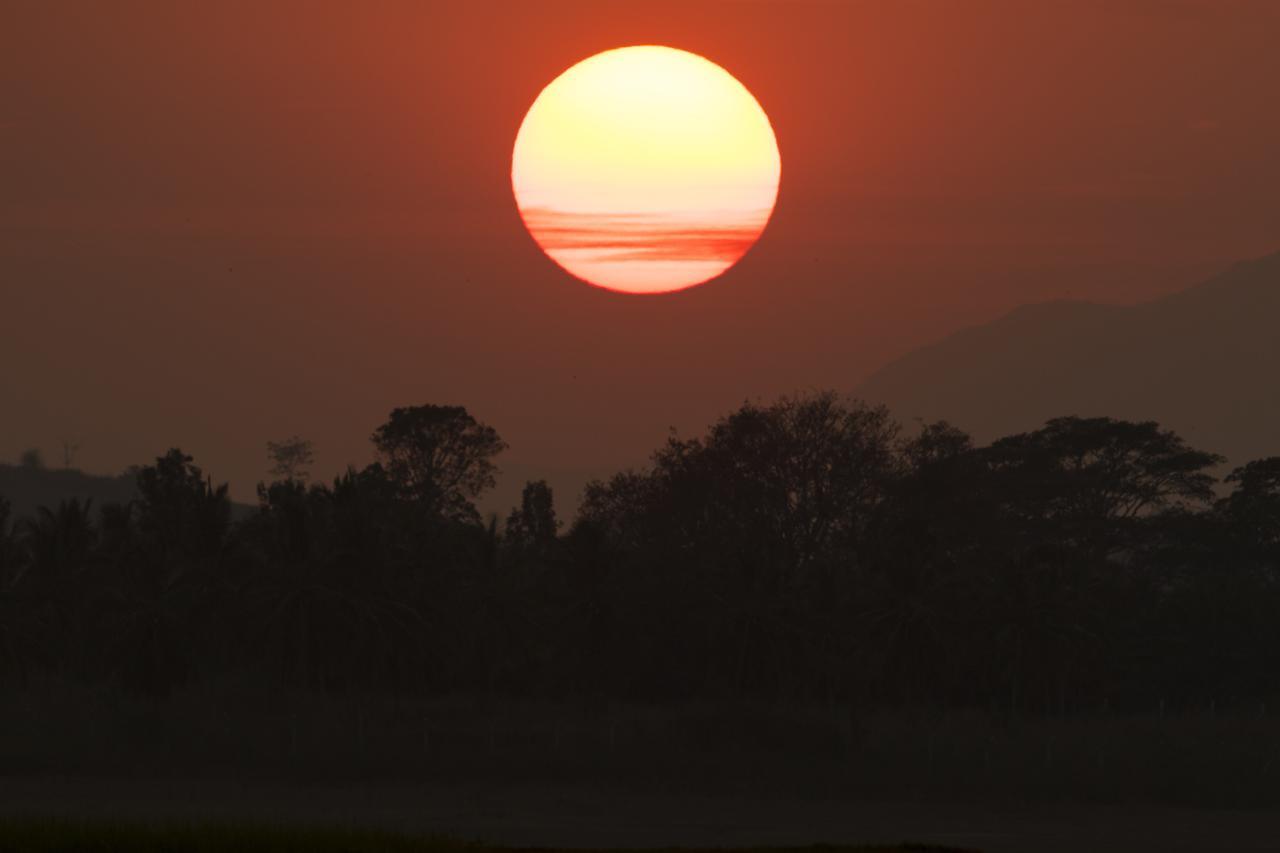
{"points": [[233, 222]]}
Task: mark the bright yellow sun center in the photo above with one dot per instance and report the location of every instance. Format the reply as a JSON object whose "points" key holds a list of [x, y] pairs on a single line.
{"points": [[645, 169]]}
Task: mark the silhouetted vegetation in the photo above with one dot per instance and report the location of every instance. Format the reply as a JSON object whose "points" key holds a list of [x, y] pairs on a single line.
{"points": [[806, 553]]}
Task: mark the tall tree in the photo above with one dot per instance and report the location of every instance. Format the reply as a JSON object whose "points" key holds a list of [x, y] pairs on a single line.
{"points": [[532, 526], [1090, 482], [20, 621], [439, 457], [1254, 505], [179, 508], [9, 554], [59, 541], [791, 483], [291, 459]]}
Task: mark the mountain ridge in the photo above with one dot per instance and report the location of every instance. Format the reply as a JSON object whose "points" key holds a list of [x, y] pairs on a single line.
{"points": [[1179, 359]]}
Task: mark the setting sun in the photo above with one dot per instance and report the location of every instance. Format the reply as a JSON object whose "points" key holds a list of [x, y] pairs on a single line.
{"points": [[645, 170]]}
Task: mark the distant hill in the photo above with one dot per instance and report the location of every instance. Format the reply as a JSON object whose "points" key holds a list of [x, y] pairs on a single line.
{"points": [[28, 488], [1205, 362]]}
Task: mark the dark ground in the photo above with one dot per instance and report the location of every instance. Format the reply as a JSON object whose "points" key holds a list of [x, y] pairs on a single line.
{"points": [[649, 777], [549, 815]]}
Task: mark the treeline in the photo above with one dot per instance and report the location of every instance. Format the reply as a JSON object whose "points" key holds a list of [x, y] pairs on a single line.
{"points": [[804, 551]]}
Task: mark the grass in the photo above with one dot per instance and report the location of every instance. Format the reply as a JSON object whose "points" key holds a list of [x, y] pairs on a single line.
{"points": [[48, 835]]}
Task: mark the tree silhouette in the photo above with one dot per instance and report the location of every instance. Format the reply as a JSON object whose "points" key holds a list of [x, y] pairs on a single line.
{"points": [[9, 553], [1093, 480], [439, 457], [323, 609], [802, 550], [183, 522], [1253, 508], [533, 525], [58, 542], [19, 621], [178, 508], [291, 458]]}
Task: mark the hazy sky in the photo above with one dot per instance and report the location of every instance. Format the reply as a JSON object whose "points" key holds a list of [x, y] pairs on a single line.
{"points": [[222, 223]]}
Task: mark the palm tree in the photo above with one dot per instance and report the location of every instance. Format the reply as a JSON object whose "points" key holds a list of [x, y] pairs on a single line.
{"points": [[58, 545], [19, 647], [58, 542]]}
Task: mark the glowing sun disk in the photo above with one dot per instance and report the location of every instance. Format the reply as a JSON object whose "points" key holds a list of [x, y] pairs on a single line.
{"points": [[645, 169]]}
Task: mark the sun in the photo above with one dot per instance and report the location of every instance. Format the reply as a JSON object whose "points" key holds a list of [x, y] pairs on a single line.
{"points": [[645, 169]]}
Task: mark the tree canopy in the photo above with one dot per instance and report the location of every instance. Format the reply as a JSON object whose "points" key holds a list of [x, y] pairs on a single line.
{"points": [[440, 457], [806, 549]]}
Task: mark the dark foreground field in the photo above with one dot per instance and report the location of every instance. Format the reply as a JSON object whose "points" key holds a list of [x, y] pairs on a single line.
{"points": [[592, 818], [524, 774], [44, 835]]}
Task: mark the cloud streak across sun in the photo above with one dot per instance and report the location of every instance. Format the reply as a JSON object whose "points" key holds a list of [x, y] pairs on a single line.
{"points": [[645, 170]]}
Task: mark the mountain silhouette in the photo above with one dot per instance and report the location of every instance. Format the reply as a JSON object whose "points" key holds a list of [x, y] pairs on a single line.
{"points": [[1204, 362], [27, 488]]}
